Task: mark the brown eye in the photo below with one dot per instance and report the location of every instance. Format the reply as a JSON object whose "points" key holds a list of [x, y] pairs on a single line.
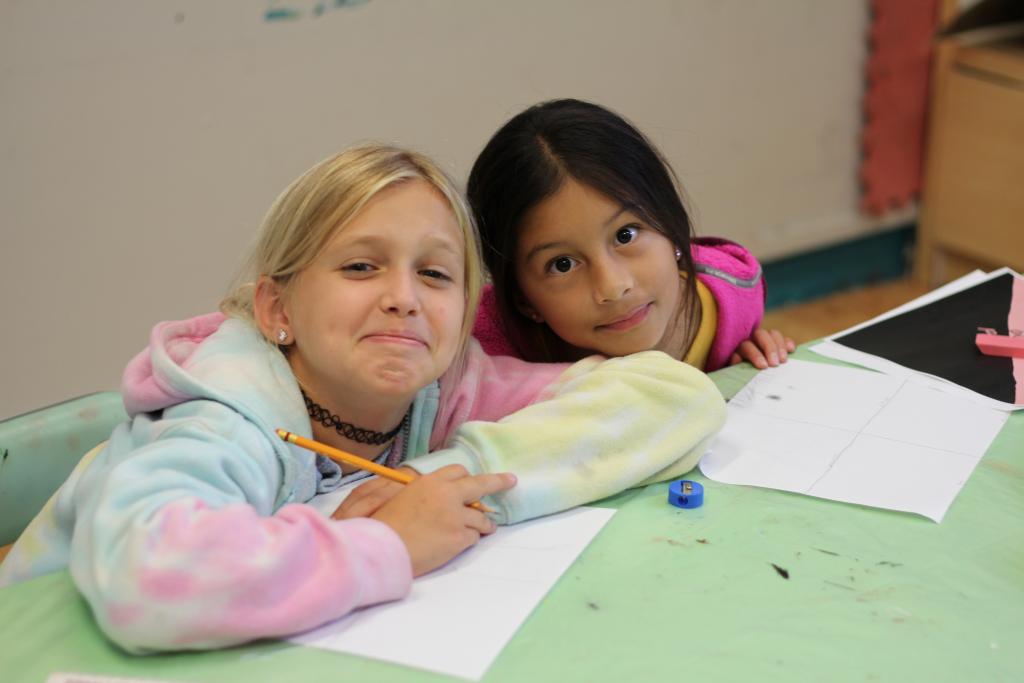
{"points": [[560, 265], [625, 235]]}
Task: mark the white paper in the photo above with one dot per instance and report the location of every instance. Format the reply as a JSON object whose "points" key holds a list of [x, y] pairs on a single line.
{"points": [[457, 619], [834, 349], [831, 349], [852, 435], [66, 677]]}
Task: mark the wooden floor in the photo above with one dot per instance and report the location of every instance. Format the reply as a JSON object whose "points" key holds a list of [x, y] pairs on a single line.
{"points": [[813, 319]]}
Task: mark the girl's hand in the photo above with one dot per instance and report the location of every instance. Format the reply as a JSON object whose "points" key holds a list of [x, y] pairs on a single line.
{"points": [[368, 497], [432, 518], [765, 348]]}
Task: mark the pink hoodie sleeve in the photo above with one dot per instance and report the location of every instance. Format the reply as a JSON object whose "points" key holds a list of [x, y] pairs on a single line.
{"points": [[211, 578], [734, 277], [178, 546], [491, 387]]}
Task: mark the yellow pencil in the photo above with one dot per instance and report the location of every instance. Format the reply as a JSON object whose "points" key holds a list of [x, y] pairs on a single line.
{"points": [[341, 456]]}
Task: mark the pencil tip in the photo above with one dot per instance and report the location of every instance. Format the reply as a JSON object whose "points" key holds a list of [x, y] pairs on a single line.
{"points": [[283, 434]]}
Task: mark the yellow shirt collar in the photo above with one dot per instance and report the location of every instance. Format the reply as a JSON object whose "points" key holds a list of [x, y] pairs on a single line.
{"points": [[697, 355]]}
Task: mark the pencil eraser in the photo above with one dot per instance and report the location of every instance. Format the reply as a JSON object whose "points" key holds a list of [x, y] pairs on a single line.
{"points": [[1000, 345], [686, 494]]}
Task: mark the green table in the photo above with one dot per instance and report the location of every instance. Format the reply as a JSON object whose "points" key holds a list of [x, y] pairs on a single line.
{"points": [[755, 585]]}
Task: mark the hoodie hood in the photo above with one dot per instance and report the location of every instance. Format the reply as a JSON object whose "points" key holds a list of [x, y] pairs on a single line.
{"points": [[215, 358], [154, 379]]}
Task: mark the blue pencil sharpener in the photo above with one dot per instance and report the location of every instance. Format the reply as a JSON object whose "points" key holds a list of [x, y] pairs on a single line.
{"points": [[686, 494]]}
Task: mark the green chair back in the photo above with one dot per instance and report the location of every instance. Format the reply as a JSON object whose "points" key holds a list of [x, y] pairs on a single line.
{"points": [[39, 449]]}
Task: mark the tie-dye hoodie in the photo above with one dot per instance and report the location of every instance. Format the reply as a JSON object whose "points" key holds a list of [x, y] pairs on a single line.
{"points": [[188, 528]]}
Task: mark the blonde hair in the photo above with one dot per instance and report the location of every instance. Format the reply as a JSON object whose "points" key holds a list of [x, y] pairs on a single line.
{"points": [[322, 201]]}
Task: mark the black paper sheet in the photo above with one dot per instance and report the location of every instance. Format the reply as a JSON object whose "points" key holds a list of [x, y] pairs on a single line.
{"points": [[938, 338]]}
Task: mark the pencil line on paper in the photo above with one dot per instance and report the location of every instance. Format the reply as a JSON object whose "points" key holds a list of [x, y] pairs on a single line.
{"points": [[933, 448], [855, 437], [861, 432]]}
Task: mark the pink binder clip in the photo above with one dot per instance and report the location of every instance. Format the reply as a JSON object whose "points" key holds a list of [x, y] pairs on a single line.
{"points": [[992, 343]]}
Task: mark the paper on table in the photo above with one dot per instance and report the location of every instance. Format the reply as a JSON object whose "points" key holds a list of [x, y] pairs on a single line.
{"points": [[852, 435], [457, 619], [831, 347]]}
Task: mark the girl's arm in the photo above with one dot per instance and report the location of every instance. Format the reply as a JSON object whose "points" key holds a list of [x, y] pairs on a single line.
{"points": [[489, 388], [594, 429], [177, 546], [735, 279]]}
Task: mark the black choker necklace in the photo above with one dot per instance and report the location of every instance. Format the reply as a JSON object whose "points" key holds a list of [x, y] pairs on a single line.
{"points": [[350, 431]]}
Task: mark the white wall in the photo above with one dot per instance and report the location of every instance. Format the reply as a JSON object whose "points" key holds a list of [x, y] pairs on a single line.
{"points": [[141, 142]]}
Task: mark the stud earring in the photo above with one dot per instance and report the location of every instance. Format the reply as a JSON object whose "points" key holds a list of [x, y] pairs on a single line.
{"points": [[679, 253], [532, 315], [282, 336]]}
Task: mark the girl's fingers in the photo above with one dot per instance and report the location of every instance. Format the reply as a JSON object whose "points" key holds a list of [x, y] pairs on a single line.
{"points": [[474, 488], [780, 344], [734, 359], [479, 522], [450, 473], [766, 343], [749, 351], [405, 469], [365, 506], [367, 498]]}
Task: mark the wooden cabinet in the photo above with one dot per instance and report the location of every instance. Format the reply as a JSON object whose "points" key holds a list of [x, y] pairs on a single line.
{"points": [[972, 210]]}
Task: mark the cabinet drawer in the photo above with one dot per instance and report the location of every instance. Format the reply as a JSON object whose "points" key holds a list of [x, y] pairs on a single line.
{"points": [[978, 192]]}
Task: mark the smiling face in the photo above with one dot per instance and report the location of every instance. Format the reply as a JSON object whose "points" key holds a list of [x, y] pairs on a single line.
{"points": [[602, 278], [378, 313]]}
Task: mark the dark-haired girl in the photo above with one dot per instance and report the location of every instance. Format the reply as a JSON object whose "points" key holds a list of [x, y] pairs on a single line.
{"points": [[591, 249]]}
